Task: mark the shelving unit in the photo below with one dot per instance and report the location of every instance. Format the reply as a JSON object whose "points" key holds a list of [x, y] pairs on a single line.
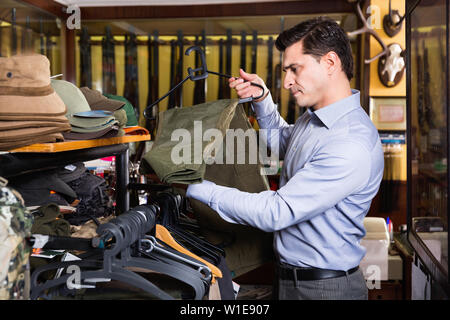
{"points": [[52, 155]]}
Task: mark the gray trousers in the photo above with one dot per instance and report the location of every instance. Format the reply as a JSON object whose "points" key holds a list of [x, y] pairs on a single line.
{"points": [[349, 287]]}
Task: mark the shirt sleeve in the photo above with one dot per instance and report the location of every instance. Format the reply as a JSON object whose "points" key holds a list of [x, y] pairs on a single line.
{"points": [[269, 118], [336, 172]]}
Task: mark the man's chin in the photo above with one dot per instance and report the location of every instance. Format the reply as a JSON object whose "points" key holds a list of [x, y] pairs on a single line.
{"points": [[301, 103], [304, 106]]}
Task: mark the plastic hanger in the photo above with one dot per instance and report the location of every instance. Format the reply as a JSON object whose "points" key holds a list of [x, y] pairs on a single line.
{"points": [[199, 74], [195, 245], [173, 226], [153, 245], [191, 272], [108, 270], [164, 234], [169, 206], [127, 230]]}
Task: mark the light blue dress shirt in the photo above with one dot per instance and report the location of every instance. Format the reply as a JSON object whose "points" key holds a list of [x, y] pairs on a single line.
{"points": [[333, 166]]}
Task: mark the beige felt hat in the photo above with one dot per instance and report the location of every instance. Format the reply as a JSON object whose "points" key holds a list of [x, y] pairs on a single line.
{"points": [[11, 125], [25, 88]]}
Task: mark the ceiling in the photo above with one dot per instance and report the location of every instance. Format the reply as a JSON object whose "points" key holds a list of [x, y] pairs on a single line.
{"points": [[191, 26], [113, 3], [39, 20]]}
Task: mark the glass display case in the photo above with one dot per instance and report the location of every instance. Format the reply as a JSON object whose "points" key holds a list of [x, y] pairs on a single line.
{"points": [[428, 134], [26, 29]]}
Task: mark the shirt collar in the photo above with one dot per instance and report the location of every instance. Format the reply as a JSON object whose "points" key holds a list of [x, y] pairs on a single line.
{"points": [[329, 114]]}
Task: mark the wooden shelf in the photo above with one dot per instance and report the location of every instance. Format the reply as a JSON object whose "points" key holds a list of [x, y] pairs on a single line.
{"points": [[69, 145]]}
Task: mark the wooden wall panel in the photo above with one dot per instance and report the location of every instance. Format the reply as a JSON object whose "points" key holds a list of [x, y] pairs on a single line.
{"points": [[223, 10]]}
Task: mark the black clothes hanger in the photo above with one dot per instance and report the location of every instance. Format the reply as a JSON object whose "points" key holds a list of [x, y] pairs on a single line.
{"points": [[157, 258], [109, 269], [169, 205], [124, 234], [196, 74], [157, 245], [177, 201], [177, 212], [168, 261], [185, 221], [174, 264], [161, 265]]}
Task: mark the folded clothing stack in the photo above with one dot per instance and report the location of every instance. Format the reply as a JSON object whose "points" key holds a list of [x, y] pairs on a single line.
{"points": [[30, 110], [97, 101], [72, 186], [86, 123]]}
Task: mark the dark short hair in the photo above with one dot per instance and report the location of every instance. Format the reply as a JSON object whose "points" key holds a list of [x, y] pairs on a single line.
{"points": [[320, 35]]}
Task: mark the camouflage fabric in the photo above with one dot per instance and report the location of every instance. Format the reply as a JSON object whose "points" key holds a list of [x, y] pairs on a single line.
{"points": [[15, 226]]}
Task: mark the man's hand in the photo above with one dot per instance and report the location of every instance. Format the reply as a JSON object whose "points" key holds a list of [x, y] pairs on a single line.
{"points": [[201, 191], [243, 87]]}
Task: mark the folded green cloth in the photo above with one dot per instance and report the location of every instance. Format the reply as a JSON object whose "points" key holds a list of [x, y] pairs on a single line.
{"points": [[49, 221], [211, 115]]}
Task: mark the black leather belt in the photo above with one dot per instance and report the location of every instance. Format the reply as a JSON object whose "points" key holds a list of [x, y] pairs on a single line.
{"points": [[292, 273]]}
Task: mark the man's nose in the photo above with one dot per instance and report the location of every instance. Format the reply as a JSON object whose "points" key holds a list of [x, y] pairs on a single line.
{"points": [[288, 80]]}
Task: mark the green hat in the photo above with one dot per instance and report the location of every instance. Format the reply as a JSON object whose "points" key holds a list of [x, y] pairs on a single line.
{"points": [[131, 116], [95, 128], [78, 111], [89, 123]]}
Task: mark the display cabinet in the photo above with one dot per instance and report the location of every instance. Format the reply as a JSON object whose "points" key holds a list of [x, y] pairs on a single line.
{"points": [[428, 134], [26, 29]]}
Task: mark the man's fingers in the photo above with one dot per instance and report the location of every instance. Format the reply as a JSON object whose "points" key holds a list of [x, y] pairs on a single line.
{"points": [[241, 86], [245, 93], [247, 76], [245, 90], [235, 82], [251, 77]]}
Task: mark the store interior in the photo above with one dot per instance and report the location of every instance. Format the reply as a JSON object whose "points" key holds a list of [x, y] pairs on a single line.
{"points": [[136, 51]]}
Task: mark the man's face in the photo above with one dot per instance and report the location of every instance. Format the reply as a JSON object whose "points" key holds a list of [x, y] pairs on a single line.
{"points": [[305, 78]]}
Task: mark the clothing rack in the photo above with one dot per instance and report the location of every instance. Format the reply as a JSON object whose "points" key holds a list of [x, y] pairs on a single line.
{"points": [[126, 244]]}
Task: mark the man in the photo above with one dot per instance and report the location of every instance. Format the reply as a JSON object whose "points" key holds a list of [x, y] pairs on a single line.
{"points": [[333, 166]]}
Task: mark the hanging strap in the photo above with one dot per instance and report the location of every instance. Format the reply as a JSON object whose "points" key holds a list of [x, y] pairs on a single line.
{"points": [[63, 243]]}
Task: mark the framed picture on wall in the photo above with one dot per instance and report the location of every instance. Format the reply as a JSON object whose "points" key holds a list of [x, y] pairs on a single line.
{"points": [[388, 113]]}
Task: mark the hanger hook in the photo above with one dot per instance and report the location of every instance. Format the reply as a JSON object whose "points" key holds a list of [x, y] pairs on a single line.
{"points": [[203, 75], [203, 69], [150, 243]]}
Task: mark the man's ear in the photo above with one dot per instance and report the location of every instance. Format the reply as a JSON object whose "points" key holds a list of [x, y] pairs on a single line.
{"points": [[332, 62]]}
